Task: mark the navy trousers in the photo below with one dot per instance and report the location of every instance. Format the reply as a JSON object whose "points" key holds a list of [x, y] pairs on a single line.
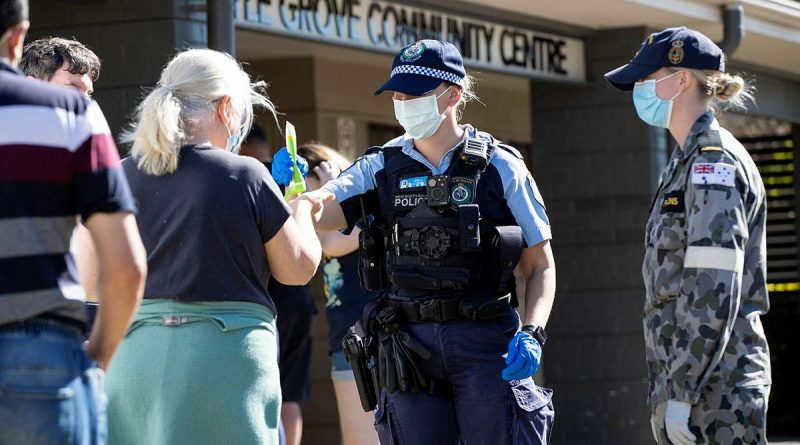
{"points": [[485, 409]]}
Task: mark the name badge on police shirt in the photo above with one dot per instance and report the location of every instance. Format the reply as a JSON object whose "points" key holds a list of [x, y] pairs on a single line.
{"points": [[717, 173], [406, 195]]}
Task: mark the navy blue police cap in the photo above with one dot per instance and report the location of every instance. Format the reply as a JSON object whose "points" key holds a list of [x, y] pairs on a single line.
{"points": [[422, 66], [675, 47]]}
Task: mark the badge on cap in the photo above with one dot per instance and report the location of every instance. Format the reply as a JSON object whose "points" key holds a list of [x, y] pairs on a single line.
{"points": [[676, 52], [413, 52]]}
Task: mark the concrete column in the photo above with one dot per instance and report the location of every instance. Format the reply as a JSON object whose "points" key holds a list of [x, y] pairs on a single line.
{"points": [[597, 166]]}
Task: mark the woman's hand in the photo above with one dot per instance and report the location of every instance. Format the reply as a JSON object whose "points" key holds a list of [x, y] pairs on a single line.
{"points": [[326, 171]]}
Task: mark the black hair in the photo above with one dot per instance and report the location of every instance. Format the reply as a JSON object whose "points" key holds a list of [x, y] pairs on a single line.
{"points": [[12, 13], [42, 58]]}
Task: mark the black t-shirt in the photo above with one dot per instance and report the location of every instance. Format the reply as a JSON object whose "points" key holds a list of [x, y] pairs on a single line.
{"points": [[204, 226]]}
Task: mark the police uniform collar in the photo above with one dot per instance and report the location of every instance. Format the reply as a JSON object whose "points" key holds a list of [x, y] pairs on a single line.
{"points": [[406, 143]]}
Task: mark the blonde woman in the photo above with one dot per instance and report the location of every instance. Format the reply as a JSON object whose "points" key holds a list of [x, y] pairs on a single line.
{"points": [[705, 250], [199, 364]]}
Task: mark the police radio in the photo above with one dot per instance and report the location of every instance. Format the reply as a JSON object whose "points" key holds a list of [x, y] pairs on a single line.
{"points": [[371, 269], [475, 153]]}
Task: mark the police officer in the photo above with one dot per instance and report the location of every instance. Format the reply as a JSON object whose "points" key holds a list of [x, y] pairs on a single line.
{"points": [[455, 211], [705, 260]]}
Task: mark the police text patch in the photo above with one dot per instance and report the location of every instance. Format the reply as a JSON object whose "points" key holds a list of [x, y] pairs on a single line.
{"points": [[706, 173], [673, 202], [409, 200]]}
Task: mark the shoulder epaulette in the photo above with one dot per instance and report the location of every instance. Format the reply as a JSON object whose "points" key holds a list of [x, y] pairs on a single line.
{"points": [[511, 150], [711, 148]]}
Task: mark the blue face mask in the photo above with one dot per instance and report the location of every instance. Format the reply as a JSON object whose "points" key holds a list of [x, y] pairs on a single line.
{"points": [[233, 142], [652, 109]]}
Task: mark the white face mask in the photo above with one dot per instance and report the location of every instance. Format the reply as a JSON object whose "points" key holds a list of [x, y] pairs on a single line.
{"points": [[419, 117]]}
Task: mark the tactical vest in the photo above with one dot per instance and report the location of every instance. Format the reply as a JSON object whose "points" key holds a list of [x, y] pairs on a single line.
{"points": [[435, 242]]}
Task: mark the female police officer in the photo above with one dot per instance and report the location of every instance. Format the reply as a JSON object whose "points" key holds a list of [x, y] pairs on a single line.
{"points": [[455, 211], [705, 260]]}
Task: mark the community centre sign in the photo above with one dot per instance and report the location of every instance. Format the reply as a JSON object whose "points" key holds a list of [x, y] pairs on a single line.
{"points": [[386, 27]]}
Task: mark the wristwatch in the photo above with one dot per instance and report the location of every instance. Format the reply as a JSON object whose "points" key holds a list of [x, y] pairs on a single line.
{"points": [[536, 332]]}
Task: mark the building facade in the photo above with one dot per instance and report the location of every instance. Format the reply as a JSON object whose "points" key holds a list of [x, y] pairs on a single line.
{"points": [[539, 67]]}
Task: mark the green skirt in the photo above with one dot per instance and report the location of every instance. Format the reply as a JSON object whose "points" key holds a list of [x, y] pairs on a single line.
{"points": [[196, 373]]}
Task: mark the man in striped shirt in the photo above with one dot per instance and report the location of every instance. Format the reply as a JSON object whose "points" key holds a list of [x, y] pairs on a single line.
{"points": [[57, 161]]}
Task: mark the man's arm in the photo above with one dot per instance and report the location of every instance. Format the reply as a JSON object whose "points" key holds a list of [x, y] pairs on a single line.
{"points": [[121, 269], [539, 271], [86, 259]]}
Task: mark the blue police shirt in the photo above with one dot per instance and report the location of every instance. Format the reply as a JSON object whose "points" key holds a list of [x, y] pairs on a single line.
{"points": [[507, 193]]}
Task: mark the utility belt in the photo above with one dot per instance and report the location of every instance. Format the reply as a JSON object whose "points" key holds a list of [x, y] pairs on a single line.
{"points": [[384, 355], [441, 310]]}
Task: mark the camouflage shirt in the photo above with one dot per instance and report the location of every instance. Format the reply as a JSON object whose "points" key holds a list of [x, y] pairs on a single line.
{"points": [[705, 270]]}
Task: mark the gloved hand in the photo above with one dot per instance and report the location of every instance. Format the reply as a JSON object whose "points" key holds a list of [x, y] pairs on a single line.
{"points": [[282, 167], [524, 355], [676, 421]]}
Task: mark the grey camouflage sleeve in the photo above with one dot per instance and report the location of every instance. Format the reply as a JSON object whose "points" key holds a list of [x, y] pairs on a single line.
{"points": [[710, 292]]}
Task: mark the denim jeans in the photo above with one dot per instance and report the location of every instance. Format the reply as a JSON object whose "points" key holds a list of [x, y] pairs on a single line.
{"points": [[50, 390]]}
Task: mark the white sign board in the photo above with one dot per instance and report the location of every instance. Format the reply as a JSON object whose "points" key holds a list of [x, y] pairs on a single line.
{"points": [[386, 27]]}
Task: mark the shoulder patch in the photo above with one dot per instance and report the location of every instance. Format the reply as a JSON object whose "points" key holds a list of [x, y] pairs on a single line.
{"points": [[716, 173]]}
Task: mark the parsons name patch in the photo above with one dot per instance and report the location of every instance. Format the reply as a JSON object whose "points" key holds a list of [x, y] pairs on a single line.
{"points": [[673, 203]]}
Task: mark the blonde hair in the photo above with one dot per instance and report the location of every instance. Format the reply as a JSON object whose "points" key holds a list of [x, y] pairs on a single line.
{"points": [[724, 90], [316, 153], [185, 99], [467, 94]]}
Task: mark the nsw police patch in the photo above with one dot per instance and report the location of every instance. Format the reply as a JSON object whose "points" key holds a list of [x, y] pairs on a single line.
{"points": [[462, 191], [413, 52]]}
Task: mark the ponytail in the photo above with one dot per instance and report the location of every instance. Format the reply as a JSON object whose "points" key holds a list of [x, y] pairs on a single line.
{"points": [[725, 89], [185, 101], [158, 135]]}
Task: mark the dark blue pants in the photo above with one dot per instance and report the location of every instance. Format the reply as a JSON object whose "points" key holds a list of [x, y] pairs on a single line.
{"points": [[50, 391], [485, 409]]}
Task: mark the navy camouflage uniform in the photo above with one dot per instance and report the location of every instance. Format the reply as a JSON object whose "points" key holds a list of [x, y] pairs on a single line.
{"points": [[705, 276], [469, 354]]}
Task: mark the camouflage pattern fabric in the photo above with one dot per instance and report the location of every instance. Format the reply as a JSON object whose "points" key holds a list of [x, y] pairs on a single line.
{"points": [[734, 418], [705, 272]]}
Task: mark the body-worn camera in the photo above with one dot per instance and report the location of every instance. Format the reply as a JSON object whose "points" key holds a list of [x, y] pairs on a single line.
{"points": [[438, 191]]}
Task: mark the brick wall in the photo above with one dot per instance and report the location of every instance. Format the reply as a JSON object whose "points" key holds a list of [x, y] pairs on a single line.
{"points": [[597, 166]]}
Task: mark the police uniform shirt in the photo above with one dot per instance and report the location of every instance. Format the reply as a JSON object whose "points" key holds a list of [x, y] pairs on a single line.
{"points": [[704, 271], [506, 192]]}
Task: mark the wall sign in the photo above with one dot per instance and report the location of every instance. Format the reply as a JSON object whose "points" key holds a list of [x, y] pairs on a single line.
{"points": [[386, 27]]}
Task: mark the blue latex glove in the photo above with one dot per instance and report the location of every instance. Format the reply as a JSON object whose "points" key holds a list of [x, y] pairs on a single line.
{"points": [[282, 166], [524, 355]]}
